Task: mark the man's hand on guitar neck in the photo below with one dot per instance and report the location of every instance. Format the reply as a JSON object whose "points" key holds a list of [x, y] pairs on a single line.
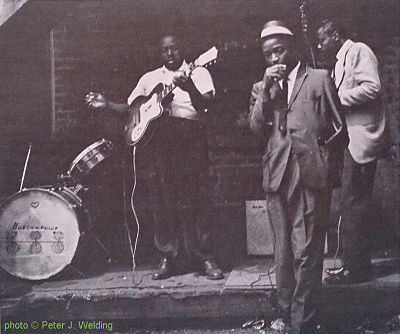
{"points": [[98, 101]]}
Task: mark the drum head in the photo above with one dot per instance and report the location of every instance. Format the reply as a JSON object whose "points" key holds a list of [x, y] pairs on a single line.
{"points": [[39, 233], [89, 158]]}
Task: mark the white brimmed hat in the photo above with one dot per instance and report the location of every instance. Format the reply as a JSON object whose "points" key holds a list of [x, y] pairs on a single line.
{"points": [[275, 28]]}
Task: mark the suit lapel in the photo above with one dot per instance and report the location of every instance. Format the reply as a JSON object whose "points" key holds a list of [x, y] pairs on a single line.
{"points": [[340, 66], [301, 76], [339, 74], [341, 71]]}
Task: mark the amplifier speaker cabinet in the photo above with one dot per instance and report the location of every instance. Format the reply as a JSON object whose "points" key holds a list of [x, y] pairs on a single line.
{"points": [[260, 239]]}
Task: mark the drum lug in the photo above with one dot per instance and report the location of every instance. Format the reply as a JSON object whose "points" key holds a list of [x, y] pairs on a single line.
{"points": [[78, 188]]}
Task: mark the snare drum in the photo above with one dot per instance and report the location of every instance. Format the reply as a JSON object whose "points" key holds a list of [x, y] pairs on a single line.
{"points": [[39, 232], [89, 158]]}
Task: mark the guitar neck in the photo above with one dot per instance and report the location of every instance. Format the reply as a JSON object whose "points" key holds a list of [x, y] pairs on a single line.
{"points": [[304, 26], [169, 88]]}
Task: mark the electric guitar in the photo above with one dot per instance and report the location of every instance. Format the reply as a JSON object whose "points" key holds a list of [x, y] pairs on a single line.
{"points": [[337, 123], [145, 109], [304, 28]]}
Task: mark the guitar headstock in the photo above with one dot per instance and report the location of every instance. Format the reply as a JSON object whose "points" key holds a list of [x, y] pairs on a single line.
{"points": [[207, 58], [304, 27], [304, 22], [219, 52]]}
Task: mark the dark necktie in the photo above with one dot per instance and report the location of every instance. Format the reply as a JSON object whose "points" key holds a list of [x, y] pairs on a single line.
{"points": [[283, 107]]}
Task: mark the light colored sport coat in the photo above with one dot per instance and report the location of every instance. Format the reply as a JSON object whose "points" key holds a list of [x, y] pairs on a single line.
{"points": [[357, 80]]}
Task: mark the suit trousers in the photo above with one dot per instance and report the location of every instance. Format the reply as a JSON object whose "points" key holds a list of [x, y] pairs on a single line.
{"points": [[178, 189], [357, 186], [298, 215]]}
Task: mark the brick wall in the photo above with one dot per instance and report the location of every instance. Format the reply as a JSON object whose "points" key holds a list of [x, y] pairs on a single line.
{"points": [[82, 62], [386, 191], [235, 171], [88, 49], [92, 58], [389, 60], [64, 63]]}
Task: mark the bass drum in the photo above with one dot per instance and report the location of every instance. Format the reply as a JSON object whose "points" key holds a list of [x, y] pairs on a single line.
{"points": [[39, 232]]}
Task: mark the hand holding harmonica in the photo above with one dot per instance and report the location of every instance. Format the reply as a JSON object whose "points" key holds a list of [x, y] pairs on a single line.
{"points": [[273, 74]]}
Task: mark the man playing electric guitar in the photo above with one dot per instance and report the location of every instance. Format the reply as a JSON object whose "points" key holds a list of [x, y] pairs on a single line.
{"points": [[178, 182]]}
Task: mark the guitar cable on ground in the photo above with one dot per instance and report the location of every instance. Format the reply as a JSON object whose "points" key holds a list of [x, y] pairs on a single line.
{"points": [[338, 243], [133, 248], [270, 269]]}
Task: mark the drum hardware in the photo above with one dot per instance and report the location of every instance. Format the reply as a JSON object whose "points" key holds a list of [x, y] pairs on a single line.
{"points": [[26, 165], [78, 271], [89, 158], [80, 167], [40, 227], [78, 188], [91, 232], [65, 180]]}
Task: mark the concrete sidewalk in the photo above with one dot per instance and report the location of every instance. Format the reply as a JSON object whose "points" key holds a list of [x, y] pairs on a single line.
{"points": [[246, 292]]}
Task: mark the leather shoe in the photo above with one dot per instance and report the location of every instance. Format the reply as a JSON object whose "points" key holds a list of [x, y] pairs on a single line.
{"points": [[334, 271], [348, 277], [279, 326], [164, 270], [212, 271], [320, 329]]}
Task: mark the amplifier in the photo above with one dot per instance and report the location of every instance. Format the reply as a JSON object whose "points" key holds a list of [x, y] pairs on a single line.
{"points": [[260, 239]]}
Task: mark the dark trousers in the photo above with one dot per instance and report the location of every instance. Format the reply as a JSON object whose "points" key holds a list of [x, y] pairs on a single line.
{"points": [[298, 215], [178, 188], [358, 183]]}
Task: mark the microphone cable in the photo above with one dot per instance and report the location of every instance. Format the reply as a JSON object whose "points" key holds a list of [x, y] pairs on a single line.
{"points": [[338, 242], [132, 248], [270, 270]]}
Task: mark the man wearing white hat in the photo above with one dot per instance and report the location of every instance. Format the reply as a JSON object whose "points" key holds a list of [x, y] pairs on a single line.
{"points": [[292, 110]]}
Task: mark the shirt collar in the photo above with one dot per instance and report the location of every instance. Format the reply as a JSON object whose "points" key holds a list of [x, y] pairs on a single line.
{"points": [[182, 68], [345, 47], [293, 74]]}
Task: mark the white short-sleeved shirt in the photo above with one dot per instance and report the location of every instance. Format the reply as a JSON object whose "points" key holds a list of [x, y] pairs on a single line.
{"points": [[181, 105]]}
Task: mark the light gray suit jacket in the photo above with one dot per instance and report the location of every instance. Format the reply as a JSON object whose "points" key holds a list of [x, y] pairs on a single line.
{"points": [[311, 107]]}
